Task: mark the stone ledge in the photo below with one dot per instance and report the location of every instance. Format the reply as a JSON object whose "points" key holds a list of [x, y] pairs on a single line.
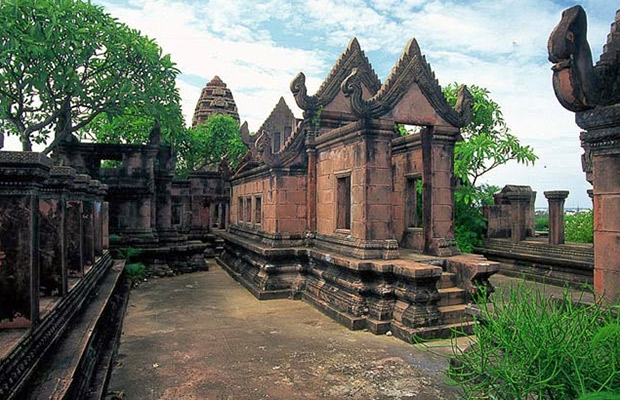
{"points": [[17, 367]]}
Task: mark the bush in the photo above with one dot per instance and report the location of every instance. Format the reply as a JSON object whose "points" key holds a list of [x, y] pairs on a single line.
{"points": [[579, 227], [541, 223], [533, 346], [114, 239], [469, 223], [135, 271], [128, 253]]}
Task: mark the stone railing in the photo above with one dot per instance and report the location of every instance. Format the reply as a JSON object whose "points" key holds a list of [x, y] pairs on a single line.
{"points": [[51, 232]]}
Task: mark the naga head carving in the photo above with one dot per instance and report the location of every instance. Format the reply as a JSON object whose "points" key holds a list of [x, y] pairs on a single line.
{"points": [[574, 79]]}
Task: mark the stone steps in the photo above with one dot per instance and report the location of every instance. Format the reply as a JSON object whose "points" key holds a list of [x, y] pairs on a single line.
{"points": [[451, 296], [454, 314], [447, 280]]}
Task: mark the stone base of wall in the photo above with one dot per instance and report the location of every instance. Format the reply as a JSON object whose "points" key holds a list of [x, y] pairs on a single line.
{"points": [[171, 253], [70, 351], [536, 260], [405, 296]]}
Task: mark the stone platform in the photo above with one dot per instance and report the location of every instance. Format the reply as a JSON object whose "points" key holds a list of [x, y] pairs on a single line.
{"points": [[203, 336], [535, 259], [412, 295]]}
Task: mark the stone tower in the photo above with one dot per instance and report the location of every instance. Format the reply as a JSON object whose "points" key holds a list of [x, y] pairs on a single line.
{"points": [[215, 98]]}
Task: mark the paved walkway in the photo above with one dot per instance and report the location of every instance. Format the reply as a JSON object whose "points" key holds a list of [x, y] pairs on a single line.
{"points": [[202, 336]]}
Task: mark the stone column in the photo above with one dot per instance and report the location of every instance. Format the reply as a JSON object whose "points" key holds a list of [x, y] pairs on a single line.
{"points": [[592, 92], [74, 237], [97, 218], [438, 195], [311, 190], [105, 228], [520, 207], [22, 175], [53, 232], [88, 223], [556, 215]]}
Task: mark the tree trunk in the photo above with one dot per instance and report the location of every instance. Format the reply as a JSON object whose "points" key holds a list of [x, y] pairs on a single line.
{"points": [[26, 144], [63, 126]]}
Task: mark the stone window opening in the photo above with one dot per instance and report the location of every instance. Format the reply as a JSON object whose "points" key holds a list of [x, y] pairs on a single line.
{"points": [[177, 212], [239, 209], [248, 210], [258, 212], [343, 202], [414, 202]]}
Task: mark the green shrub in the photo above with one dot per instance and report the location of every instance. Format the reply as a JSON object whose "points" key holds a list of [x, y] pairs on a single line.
{"points": [[135, 271], [532, 346], [541, 223], [114, 239], [128, 253], [579, 227]]}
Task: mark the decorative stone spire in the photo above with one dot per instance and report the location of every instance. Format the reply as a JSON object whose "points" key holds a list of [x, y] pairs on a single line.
{"points": [[611, 49], [215, 98]]}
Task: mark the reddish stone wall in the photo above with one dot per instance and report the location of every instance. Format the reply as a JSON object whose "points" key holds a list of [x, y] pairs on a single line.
{"points": [[406, 164], [283, 203], [339, 159]]}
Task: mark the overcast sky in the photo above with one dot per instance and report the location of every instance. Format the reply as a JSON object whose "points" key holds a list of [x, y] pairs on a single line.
{"points": [[257, 47]]}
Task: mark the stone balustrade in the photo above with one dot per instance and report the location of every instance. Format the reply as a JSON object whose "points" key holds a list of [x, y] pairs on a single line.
{"points": [[53, 227]]}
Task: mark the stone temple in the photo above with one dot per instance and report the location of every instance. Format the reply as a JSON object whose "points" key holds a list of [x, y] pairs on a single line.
{"points": [[333, 207], [215, 98]]}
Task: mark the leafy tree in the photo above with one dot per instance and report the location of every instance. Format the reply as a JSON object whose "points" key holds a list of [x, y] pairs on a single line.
{"points": [[210, 144], [64, 62], [487, 144]]}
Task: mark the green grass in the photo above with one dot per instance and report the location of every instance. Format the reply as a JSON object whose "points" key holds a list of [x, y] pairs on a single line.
{"points": [[530, 345], [135, 271]]}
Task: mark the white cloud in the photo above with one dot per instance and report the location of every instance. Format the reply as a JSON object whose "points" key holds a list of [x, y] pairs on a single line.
{"points": [[258, 47]]}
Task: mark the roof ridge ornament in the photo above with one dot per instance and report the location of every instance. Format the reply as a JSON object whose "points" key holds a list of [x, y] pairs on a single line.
{"points": [[352, 57], [411, 68]]}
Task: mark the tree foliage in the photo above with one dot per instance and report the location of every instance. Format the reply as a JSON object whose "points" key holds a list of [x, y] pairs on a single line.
{"points": [[487, 141], [579, 227], [487, 144], [209, 144], [64, 62]]}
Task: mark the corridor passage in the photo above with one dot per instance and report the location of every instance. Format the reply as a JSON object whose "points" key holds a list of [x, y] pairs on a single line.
{"points": [[203, 336]]}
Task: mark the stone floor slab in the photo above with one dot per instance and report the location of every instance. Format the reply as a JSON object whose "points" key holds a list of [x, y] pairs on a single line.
{"points": [[202, 336]]}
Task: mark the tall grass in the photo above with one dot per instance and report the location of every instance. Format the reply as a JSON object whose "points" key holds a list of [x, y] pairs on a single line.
{"points": [[531, 345]]}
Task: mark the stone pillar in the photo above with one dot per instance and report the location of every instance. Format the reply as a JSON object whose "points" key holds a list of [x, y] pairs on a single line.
{"points": [[22, 175], [88, 223], [74, 237], [311, 190], [556, 215], [53, 232], [520, 208], [592, 92], [438, 195], [105, 228], [144, 213], [591, 195], [97, 218]]}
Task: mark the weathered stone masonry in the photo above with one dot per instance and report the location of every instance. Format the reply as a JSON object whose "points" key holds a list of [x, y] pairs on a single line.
{"points": [[331, 216]]}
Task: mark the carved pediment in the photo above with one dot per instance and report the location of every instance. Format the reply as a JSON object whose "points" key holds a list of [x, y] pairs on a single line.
{"points": [[411, 94], [352, 57]]}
